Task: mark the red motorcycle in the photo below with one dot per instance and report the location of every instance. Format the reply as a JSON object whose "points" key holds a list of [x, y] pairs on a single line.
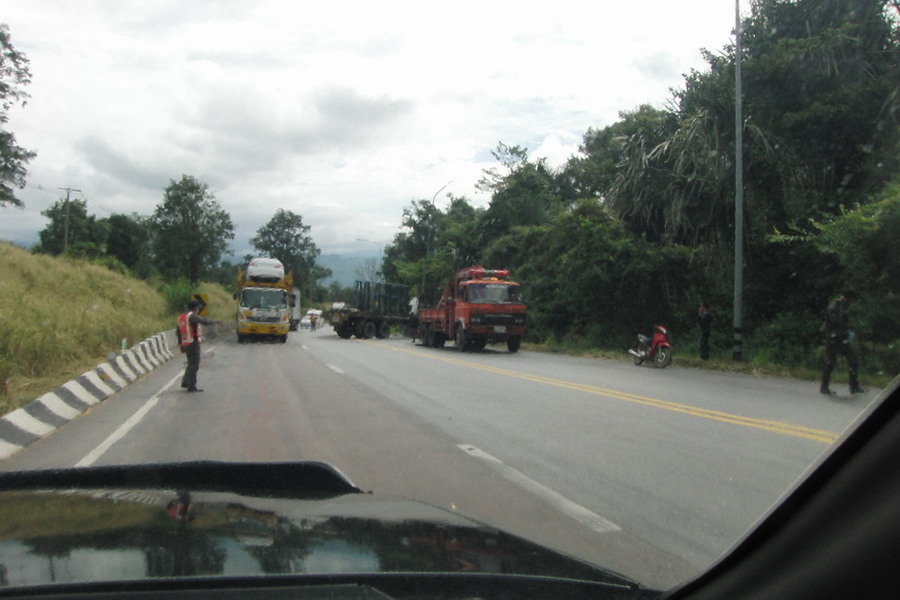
{"points": [[656, 349]]}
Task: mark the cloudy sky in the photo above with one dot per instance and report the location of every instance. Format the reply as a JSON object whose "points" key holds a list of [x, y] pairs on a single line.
{"points": [[343, 112]]}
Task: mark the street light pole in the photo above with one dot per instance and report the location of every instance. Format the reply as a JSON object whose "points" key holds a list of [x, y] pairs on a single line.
{"points": [[737, 350]]}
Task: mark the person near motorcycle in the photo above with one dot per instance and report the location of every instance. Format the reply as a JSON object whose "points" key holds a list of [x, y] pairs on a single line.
{"points": [[838, 338]]}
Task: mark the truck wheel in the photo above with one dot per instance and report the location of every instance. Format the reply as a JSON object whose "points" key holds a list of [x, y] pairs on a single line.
{"points": [[283, 339], [428, 338], [461, 338], [368, 330], [240, 339], [345, 331], [384, 330], [513, 343], [439, 339]]}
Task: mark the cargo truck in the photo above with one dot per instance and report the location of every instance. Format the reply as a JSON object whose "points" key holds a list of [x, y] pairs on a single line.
{"points": [[376, 307], [263, 297], [479, 307]]}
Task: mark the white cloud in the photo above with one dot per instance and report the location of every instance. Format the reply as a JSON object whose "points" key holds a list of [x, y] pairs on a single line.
{"points": [[343, 112]]}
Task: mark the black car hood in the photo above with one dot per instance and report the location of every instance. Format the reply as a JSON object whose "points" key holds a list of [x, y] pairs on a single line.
{"points": [[237, 520]]}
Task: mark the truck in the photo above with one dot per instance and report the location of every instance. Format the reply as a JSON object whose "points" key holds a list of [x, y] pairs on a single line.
{"points": [[264, 295], [375, 308], [479, 307]]}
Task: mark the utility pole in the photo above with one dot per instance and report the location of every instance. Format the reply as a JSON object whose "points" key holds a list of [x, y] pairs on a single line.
{"points": [[737, 350], [66, 227]]}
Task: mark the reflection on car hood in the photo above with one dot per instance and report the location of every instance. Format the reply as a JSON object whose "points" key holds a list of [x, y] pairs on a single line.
{"points": [[223, 520]]}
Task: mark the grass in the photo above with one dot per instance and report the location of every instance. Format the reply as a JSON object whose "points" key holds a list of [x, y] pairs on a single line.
{"points": [[60, 317]]}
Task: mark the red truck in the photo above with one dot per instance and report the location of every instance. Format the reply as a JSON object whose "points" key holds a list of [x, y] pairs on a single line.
{"points": [[482, 307]]}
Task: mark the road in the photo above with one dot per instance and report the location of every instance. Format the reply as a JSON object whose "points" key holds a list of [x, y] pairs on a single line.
{"points": [[652, 472]]}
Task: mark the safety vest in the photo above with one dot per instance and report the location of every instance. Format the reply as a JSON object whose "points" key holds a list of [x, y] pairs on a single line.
{"points": [[188, 333]]}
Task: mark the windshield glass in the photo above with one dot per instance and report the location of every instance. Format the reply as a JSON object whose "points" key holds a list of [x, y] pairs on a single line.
{"points": [[263, 298], [699, 201], [494, 293]]}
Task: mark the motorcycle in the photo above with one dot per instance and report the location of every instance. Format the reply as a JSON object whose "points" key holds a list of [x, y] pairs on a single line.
{"points": [[657, 349]]}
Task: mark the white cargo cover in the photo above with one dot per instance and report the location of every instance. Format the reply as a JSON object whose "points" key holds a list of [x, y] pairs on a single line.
{"points": [[265, 269]]}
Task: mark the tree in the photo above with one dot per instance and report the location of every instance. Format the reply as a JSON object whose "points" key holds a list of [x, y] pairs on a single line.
{"points": [[14, 75], [189, 230], [286, 238], [72, 231], [527, 194], [128, 242]]}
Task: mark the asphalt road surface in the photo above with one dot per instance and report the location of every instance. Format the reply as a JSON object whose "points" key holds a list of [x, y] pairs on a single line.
{"points": [[651, 472]]}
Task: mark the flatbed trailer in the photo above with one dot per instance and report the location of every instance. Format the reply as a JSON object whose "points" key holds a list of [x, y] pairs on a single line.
{"points": [[377, 307]]}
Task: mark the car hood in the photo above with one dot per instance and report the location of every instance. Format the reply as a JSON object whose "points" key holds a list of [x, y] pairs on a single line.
{"points": [[238, 520]]}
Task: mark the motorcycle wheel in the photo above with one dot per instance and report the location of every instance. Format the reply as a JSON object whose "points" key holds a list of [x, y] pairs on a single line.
{"points": [[663, 357], [637, 359]]}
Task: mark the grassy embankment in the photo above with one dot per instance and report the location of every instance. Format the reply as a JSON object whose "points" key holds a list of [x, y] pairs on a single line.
{"points": [[60, 317]]}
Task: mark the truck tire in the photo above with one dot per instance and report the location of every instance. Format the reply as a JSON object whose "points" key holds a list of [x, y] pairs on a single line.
{"points": [[428, 337], [384, 330], [513, 343], [369, 330], [461, 340], [344, 331], [439, 339]]}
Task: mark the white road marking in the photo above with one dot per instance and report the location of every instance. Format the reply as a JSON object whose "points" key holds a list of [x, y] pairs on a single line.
{"points": [[573, 509], [337, 370], [127, 426]]}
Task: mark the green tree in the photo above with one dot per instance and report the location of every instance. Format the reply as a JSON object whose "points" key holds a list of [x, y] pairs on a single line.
{"points": [[287, 238], [189, 230], [432, 245], [128, 241], [72, 231], [523, 193], [14, 75]]}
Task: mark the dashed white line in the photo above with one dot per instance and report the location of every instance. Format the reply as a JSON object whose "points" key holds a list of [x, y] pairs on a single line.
{"points": [[127, 426], [337, 370], [573, 509]]}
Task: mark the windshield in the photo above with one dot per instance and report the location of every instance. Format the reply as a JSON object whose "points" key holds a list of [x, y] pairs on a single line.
{"points": [[494, 293], [699, 200], [263, 298]]}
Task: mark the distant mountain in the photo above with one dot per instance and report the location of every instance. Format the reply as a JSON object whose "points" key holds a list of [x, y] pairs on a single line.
{"points": [[345, 268]]}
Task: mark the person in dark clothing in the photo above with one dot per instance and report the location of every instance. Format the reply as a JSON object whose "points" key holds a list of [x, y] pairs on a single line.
{"points": [[704, 320], [837, 341], [190, 336]]}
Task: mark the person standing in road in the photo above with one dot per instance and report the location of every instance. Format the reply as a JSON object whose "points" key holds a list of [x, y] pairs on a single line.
{"points": [[190, 336], [704, 320], [838, 338]]}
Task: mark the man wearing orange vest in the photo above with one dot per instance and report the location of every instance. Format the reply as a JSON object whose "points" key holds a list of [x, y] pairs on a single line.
{"points": [[190, 336]]}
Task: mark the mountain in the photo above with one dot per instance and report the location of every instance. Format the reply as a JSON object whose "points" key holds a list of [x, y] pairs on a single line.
{"points": [[345, 268]]}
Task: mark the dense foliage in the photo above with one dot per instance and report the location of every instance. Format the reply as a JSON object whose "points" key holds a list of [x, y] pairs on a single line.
{"points": [[638, 227]]}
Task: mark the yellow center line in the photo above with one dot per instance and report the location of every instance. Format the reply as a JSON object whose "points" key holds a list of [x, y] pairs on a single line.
{"points": [[780, 427]]}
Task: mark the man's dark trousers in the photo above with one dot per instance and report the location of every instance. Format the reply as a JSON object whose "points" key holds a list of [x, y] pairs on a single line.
{"points": [[192, 352]]}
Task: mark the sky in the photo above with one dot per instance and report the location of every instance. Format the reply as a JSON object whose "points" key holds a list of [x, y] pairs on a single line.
{"points": [[341, 112]]}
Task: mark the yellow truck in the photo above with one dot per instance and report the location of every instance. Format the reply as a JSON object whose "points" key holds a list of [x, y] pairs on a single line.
{"points": [[264, 301]]}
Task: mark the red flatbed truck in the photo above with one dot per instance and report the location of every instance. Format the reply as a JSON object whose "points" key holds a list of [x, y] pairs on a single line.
{"points": [[482, 306]]}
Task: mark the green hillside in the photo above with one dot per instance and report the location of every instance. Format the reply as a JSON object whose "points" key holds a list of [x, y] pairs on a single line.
{"points": [[60, 317]]}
